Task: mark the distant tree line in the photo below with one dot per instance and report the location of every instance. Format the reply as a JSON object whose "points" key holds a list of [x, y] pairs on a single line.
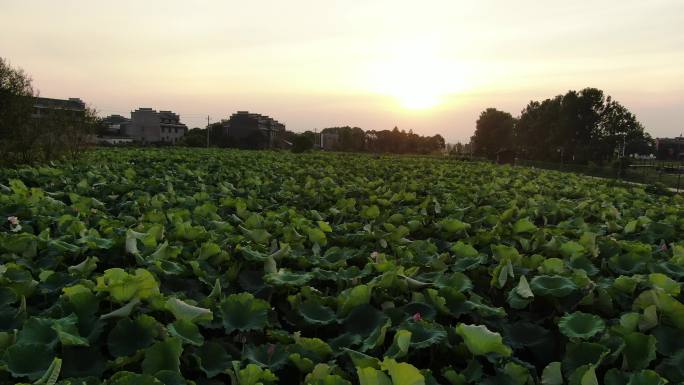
{"points": [[355, 139], [584, 126], [26, 139]]}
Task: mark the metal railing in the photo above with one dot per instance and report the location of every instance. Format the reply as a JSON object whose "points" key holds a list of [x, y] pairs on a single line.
{"points": [[651, 172]]}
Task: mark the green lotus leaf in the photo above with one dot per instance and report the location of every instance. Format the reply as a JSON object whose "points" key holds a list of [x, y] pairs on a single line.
{"points": [[372, 376], [254, 375], [314, 348], [455, 301], [518, 373], [38, 331], [572, 249], [303, 364], [480, 340], [670, 340], [646, 377], [257, 235], [19, 280], [166, 252], [504, 252], [453, 226], [128, 336], [552, 286], [639, 351], [664, 283], [627, 263], [364, 320], [213, 359], [523, 289], [84, 268], [317, 236], [377, 337], [288, 278], [370, 212], [272, 356], [322, 375], [616, 377], [123, 311], [581, 325], [583, 263], [184, 311], [52, 373], [526, 334], [28, 360], [129, 378], [83, 302], [187, 331], [552, 266], [402, 373], [243, 312], [168, 377], [208, 250], [584, 375], [552, 374], [424, 334], [315, 313], [123, 287], [361, 360], [463, 250], [524, 226], [67, 331], [163, 355], [457, 280], [353, 297], [578, 354], [345, 340], [23, 244], [400, 344]]}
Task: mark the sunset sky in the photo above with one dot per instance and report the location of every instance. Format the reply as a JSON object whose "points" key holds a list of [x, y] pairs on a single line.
{"points": [[430, 66]]}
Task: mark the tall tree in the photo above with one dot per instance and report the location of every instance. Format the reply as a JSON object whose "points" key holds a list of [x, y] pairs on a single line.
{"points": [[579, 126], [493, 132], [16, 103]]}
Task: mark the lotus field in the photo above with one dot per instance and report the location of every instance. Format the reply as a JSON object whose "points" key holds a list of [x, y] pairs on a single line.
{"points": [[136, 267]]}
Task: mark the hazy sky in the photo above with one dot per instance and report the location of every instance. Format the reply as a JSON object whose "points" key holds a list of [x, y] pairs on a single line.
{"points": [[431, 66]]}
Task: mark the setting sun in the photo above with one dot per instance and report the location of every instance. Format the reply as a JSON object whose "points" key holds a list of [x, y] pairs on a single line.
{"points": [[417, 75]]}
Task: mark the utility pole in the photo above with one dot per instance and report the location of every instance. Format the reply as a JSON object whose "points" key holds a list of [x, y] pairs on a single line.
{"points": [[207, 131]]}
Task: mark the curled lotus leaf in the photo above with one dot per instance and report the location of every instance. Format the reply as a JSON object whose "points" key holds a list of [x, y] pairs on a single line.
{"points": [[272, 356], [581, 325], [243, 312], [457, 280], [288, 278], [28, 360], [480, 340], [552, 286], [316, 314], [424, 334]]}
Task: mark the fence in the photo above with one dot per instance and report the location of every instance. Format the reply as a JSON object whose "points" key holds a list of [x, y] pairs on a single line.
{"points": [[649, 172]]}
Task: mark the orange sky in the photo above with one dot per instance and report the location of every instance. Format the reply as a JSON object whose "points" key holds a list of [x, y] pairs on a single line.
{"points": [[430, 66]]}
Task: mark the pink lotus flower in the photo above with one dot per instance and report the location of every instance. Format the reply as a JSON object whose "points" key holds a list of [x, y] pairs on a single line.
{"points": [[13, 220], [417, 317], [663, 247]]}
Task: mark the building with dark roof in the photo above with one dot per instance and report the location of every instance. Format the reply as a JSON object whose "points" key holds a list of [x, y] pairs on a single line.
{"points": [[149, 126], [48, 108], [248, 130], [670, 148]]}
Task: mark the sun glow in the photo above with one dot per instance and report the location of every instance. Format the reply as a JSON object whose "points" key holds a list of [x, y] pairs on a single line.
{"points": [[418, 77]]}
